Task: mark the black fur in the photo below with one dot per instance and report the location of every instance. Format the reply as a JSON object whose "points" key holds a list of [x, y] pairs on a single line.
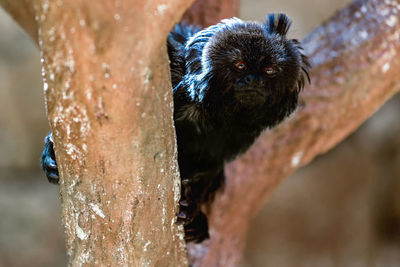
{"points": [[219, 109]]}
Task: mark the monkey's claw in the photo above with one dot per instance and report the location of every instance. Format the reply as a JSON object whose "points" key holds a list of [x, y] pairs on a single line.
{"points": [[187, 212]]}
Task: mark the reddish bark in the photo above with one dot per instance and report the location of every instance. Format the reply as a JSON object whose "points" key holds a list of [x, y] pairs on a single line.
{"points": [[208, 12]]}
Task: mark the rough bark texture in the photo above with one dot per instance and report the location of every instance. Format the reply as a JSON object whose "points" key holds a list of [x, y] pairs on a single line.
{"points": [[109, 102], [356, 61]]}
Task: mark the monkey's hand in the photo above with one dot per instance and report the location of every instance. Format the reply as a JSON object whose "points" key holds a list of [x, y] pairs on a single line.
{"points": [[48, 160]]}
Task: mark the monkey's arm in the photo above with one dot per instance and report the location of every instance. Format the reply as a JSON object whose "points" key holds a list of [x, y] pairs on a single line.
{"points": [[48, 160]]}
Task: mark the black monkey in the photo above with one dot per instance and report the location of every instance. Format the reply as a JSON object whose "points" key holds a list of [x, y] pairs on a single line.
{"points": [[230, 81]]}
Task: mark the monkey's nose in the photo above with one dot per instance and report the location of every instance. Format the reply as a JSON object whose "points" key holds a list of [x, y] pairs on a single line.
{"points": [[252, 80], [249, 79]]}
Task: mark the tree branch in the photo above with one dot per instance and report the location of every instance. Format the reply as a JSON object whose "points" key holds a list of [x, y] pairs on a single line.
{"points": [[23, 12], [209, 12], [356, 61]]}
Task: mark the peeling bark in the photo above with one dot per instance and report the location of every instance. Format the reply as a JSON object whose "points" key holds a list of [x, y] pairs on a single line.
{"points": [[109, 102]]}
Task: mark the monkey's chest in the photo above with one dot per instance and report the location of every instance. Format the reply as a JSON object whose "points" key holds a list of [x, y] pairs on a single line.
{"points": [[204, 150]]}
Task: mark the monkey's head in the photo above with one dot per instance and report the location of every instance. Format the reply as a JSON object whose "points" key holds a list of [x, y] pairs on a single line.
{"points": [[252, 64]]}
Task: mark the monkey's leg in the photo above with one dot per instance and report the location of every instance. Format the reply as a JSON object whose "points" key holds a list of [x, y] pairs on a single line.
{"points": [[196, 192], [197, 230], [216, 183], [190, 215], [48, 160]]}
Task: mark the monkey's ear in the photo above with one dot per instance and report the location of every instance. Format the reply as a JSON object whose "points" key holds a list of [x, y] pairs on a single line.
{"points": [[277, 23]]}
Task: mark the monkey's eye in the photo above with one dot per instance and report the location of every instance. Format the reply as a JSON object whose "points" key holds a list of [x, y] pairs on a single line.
{"points": [[269, 70], [240, 65]]}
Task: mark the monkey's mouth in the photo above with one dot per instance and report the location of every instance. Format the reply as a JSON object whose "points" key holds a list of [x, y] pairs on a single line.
{"points": [[253, 92], [251, 96]]}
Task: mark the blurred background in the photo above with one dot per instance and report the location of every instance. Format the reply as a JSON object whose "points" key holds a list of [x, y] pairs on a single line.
{"points": [[343, 209]]}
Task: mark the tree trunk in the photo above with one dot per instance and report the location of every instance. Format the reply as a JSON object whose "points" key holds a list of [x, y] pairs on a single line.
{"points": [[109, 103]]}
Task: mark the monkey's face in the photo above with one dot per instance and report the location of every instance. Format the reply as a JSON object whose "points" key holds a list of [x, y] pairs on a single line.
{"points": [[254, 67]]}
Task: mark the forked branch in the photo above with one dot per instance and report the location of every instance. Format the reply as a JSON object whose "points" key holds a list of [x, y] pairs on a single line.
{"points": [[356, 65]]}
